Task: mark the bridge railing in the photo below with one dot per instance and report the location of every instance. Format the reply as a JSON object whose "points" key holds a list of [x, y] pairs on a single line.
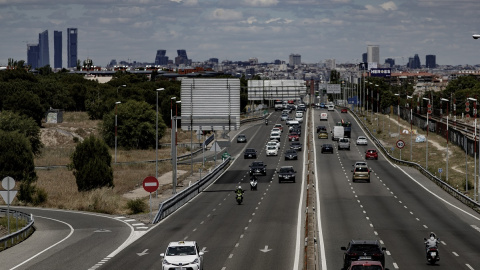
{"points": [[19, 235]]}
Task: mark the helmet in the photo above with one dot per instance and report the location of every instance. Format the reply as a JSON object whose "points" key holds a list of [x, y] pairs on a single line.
{"points": [[239, 187], [432, 234]]}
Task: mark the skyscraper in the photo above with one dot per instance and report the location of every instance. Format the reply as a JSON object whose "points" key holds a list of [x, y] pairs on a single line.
{"points": [[364, 58], [160, 58], [72, 47], [182, 58], [294, 59], [44, 55], [32, 55], [373, 54], [57, 49], [431, 61], [390, 62]]}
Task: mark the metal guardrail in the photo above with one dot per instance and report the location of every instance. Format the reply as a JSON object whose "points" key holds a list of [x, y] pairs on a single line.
{"points": [[20, 235], [172, 204], [444, 185]]}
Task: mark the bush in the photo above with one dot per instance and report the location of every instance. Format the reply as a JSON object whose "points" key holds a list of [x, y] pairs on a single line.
{"points": [[136, 206], [29, 193], [91, 165]]}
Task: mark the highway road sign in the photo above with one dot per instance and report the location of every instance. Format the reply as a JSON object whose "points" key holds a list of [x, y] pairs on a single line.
{"points": [[467, 103], [429, 111], [150, 184], [440, 170], [467, 115], [400, 144], [8, 183], [429, 106], [467, 109]]}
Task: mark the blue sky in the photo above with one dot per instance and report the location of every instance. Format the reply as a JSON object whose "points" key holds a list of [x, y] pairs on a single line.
{"points": [[241, 29]]}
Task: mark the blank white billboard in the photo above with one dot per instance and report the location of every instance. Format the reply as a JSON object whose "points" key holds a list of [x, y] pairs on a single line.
{"points": [[210, 104], [276, 89]]}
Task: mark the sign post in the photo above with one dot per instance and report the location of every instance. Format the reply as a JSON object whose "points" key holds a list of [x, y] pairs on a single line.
{"points": [[8, 195], [150, 184], [400, 145]]}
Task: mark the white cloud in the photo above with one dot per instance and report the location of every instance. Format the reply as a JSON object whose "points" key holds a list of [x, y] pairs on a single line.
{"points": [[225, 14], [261, 3], [251, 20], [273, 20], [389, 6]]}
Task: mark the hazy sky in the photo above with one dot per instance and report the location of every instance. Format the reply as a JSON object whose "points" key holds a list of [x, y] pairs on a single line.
{"points": [[241, 29]]}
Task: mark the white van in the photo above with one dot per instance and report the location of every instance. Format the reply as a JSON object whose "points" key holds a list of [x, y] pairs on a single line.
{"points": [[323, 116], [338, 132], [330, 107]]}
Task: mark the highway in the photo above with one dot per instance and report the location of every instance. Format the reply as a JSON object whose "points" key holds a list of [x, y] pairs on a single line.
{"points": [[399, 207], [262, 233]]}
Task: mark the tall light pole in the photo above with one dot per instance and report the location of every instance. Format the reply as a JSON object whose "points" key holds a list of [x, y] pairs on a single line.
{"points": [[446, 166], [378, 102], [398, 112], [156, 141], [116, 103], [426, 152], [411, 130], [475, 145], [171, 110], [174, 156], [123, 85]]}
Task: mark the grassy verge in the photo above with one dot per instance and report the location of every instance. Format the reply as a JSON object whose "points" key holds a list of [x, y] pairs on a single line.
{"points": [[387, 131]]}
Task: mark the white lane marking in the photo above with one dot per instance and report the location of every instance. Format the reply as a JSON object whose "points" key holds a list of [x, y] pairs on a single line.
{"points": [[456, 254], [468, 265], [395, 265], [38, 254]]}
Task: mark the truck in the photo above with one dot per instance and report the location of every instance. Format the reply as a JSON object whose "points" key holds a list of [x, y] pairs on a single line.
{"points": [[338, 132], [278, 104]]}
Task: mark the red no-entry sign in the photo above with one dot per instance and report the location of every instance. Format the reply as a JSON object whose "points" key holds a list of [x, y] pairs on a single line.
{"points": [[150, 184]]}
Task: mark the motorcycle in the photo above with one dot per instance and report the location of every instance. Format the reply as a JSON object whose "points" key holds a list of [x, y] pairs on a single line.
{"points": [[239, 198], [253, 184], [432, 254], [266, 122]]}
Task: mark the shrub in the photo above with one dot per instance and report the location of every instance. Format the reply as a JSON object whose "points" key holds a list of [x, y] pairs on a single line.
{"points": [[136, 206]]}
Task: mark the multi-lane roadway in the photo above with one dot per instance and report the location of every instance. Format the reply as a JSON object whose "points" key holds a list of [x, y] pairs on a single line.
{"points": [[399, 207]]}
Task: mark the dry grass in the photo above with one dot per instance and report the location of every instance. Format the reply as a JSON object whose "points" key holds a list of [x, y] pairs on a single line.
{"points": [[436, 151], [60, 183]]}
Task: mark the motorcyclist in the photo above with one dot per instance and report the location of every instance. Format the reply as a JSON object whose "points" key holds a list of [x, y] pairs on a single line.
{"points": [[253, 182], [431, 242], [239, 191], [266, 122]]}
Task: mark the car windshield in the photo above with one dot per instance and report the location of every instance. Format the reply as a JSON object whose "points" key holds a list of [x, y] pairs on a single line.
{"points": [[271, 147], [361, 169], [291, 151], [181, 251], [366, 267], [286, 170], [257, 164], [371, 151], [368, 249], [361, 138], [250, 150]]}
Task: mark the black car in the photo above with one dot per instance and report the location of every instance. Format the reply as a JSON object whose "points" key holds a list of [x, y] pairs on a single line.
{"points": [[241, 138], [291, 154], [321, 128], [250, 153], [327, 148], [296, 146], [363, 250], [286, 173], [258, 167]]}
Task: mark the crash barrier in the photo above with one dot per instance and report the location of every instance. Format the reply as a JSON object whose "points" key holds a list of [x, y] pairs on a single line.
{"points": [[20, 234], [178, 200], [444, 185]]}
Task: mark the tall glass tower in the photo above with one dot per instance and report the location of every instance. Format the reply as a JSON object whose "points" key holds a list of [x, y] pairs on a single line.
{"points": [[44, 55], [32, 55], [57, 49], [72, 47]]}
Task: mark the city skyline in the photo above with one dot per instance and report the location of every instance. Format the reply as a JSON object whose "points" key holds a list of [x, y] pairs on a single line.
{"points": [[239, 30]]}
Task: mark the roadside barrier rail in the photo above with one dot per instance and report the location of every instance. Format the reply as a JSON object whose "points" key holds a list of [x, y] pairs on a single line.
{"points": [[178, 200], [21, 234]]}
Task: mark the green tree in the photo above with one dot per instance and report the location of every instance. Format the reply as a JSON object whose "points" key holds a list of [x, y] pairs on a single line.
{"points": [[25, 103], [91, 165], [16, 159], [136, 125], [10, 121]]}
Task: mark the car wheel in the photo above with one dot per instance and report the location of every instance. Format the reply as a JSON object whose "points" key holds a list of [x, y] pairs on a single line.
{"points": [[376, 158]]}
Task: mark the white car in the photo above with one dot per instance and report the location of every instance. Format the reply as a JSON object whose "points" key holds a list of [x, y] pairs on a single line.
{"points": [[273, 143], [276, 130], [182, 254], [299, 119], [272, 151], [362, 140], [275, 136]]}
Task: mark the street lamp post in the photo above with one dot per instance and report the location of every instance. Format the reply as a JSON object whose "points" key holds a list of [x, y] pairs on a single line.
{"points": [[426, 152], [123, 85], [174, 160], [156, 141], [446, 166], [378, 102], [475, 146], [116, 103], [411, 130], [398, 112]]}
